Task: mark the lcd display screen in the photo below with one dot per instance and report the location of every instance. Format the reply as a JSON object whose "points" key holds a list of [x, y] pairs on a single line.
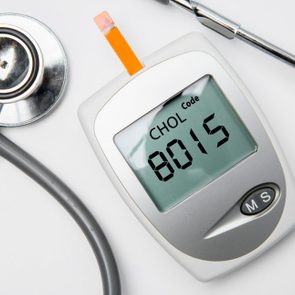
{"points": [[186, 143]]}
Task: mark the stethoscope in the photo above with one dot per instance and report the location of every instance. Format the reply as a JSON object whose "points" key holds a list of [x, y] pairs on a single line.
{"points": [[33, 74]]}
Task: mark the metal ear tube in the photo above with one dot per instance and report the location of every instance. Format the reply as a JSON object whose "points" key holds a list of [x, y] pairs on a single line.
{"points": [[231, 30]]}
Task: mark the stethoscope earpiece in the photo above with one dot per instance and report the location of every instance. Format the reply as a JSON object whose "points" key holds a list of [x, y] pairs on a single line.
{"points": [[230, 29]]}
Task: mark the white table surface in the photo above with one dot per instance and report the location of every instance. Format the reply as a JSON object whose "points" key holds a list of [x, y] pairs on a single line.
{"points": [[42, 251]]}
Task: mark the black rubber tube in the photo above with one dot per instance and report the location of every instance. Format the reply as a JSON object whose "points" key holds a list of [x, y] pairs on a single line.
{"points": [[68, 199]]}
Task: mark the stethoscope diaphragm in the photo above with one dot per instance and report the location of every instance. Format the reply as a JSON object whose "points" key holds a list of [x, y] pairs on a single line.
{"points": [[33, 70]]}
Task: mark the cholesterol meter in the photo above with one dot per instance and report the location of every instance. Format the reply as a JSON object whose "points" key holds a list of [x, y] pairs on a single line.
{"points": [[193, 157]]}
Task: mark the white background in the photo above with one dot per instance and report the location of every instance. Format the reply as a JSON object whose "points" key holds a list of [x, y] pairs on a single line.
{"points": [[42, 251]]}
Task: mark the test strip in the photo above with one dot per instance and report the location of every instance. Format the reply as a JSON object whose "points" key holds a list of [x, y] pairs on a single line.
{"points": [[118, 43]]}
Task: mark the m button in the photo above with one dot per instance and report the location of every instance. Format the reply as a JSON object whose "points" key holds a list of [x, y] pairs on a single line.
{"points": [[258, 200]]}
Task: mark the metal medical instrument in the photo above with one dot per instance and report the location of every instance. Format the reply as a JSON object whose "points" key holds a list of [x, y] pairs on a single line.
{"points": [[33, 72], [231, 30]]}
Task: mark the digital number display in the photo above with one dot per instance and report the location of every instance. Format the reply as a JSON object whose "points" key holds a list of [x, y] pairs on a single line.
{"points": [[185, 144]]}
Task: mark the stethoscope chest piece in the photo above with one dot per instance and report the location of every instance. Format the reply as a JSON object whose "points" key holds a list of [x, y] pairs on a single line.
{"points": [[33, 70]]}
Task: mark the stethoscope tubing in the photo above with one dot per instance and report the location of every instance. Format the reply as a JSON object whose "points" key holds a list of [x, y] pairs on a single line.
{"points": [[73, 205]]}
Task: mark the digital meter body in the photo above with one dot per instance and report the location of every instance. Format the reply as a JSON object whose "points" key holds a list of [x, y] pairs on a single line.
{"points": [[193, 157]]}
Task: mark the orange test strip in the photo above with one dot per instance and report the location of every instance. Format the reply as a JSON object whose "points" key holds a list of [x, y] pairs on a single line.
{"points": [[118, 43]]}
